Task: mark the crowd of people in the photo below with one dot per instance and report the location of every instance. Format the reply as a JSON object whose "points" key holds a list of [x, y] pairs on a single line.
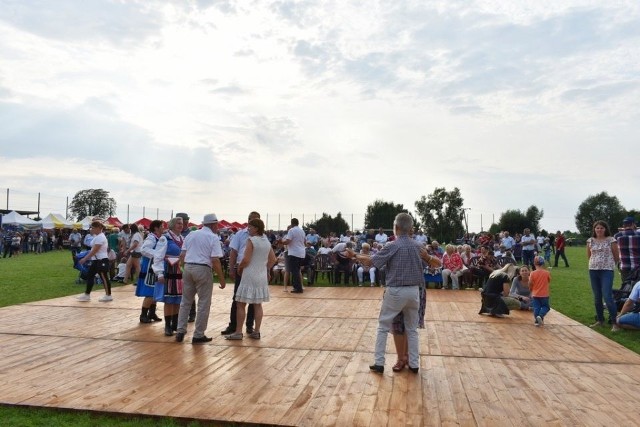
{"points": [[173, 264]]}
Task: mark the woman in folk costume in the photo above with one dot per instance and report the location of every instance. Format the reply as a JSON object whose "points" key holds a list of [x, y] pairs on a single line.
{"points": [[146, 279], [168, 287]]}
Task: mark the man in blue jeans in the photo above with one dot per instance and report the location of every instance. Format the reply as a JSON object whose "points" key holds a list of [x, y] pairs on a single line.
{"points": [[295, 254], [404, 259]]}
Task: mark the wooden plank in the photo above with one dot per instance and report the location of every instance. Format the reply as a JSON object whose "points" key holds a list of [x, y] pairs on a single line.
{"points": [[311, 365]]}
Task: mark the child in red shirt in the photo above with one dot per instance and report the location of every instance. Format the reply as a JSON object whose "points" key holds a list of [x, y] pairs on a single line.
{"points": [[539, 284]]}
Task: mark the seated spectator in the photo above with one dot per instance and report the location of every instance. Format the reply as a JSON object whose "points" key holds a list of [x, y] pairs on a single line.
{"points": [[121, 268], [325, 249], [452, 266], [278, 270], [519, 295], [361, 269], [486, 264], [344, 254], [629, 316], [437, 250]]}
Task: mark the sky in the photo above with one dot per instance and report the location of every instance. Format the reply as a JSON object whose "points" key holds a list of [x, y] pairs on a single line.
{"points": [[298, 108]]}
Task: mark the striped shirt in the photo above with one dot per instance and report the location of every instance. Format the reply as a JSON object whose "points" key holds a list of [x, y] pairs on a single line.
{"points": [[403, 262]]}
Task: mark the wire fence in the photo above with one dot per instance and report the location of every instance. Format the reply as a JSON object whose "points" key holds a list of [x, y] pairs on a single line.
{"points": [[41, 204]]}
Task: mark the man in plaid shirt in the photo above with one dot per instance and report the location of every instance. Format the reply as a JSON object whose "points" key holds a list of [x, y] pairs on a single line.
{"points": [[404, 259], [629, 244]]}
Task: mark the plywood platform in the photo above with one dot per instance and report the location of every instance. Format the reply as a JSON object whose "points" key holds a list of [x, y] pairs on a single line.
{"points": [[311, 365]]}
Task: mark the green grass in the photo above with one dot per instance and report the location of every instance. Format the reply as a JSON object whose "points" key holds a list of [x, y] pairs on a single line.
{"points": [[51, 275]]}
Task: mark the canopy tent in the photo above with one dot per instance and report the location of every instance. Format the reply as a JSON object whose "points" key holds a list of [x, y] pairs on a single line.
{"points": [[224, 224], [85, 223], [14, 219], [53, 220], [113, 220], [145, 222]]}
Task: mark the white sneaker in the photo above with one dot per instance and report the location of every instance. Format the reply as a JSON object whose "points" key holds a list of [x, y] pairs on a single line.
{"points": [[84, 297], [539, 321], [106, 298]]}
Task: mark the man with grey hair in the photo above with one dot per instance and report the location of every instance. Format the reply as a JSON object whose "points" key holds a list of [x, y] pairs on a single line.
{"points": [[404, 259]]}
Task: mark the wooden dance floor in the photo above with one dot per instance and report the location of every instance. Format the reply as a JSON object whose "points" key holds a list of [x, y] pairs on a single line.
{"points": [[311, 366]]}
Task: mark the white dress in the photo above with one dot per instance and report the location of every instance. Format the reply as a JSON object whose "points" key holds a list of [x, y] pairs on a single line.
{"points": [[254, 284]]}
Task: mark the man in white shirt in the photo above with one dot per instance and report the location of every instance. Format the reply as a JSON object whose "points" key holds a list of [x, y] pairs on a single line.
{"points": [[296, 254], [507, 241], [528, 242], [201, 252], [420, 238], [381, 237]]}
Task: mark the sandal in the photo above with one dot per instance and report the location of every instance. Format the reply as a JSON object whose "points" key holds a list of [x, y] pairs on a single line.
{"points": [[255, 335], [399, 366], [234, 336]]}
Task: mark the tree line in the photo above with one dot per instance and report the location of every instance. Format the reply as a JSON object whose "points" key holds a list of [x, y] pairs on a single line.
{"points": [[440, 214]]}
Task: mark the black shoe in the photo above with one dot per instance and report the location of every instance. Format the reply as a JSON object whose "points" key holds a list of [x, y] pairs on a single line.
{"points": [[167, 330], [249, 330], [228, 331], [296, 292], [179, 336], [144, 319], [377, 369], [414, 370], [201, 340], [191, 319]]}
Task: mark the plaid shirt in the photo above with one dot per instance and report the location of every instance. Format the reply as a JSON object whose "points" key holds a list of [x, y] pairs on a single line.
{"points": [[629, 244], [403, 262]]}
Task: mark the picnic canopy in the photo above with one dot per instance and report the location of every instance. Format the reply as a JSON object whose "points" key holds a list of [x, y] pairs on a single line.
{"points": [[56, 221], [14, 219], [114, 221]]}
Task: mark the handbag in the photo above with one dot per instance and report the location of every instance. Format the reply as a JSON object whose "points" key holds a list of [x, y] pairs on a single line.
{"points": [[150, 277]]}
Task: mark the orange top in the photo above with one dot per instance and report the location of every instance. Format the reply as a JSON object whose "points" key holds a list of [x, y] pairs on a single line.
{"points": [[539, 283]]}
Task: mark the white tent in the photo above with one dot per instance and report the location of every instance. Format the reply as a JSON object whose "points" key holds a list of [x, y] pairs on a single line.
{"points": [[53, 220], [14, 219]]}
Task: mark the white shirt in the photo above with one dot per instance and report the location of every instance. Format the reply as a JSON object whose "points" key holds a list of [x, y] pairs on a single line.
{"points": [[528, 242], [239, 243], [103, 252], [201, 246], [382, 238], [296, 242]]}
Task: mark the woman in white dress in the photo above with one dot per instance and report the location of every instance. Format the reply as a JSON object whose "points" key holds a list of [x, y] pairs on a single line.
{"points": [[254, 284]]}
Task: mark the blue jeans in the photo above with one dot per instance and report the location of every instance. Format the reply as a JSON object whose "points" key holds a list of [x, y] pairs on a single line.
{"points": [[630, 319], [602, 287], [540, 306]]}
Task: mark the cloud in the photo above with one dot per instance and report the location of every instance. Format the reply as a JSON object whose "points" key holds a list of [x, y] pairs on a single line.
{"points": [[79, 21]]}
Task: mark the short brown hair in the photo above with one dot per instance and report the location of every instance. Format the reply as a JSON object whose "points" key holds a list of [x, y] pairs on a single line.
{"points": [[257, 223]]}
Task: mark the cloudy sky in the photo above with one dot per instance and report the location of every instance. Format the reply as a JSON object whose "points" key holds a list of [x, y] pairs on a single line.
{"points": [[304, 107]]}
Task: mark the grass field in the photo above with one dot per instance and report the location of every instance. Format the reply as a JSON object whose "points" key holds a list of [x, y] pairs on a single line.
{"points": [[39, 277]]}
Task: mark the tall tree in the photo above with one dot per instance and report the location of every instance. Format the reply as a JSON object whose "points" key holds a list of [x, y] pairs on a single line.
{"points": [[326, 223], [381, 214], [601, 206], [92, 202], [442, 213], [514, 221]]}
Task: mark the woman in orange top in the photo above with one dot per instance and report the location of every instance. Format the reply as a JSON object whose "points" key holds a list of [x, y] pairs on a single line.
{"points": [[539, 283]]}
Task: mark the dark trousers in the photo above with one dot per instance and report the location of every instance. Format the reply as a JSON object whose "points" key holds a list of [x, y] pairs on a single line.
{"points": [[527, 257], [233, 321], [8, 250], [101, 268], [295, 263], [560, 253]]}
